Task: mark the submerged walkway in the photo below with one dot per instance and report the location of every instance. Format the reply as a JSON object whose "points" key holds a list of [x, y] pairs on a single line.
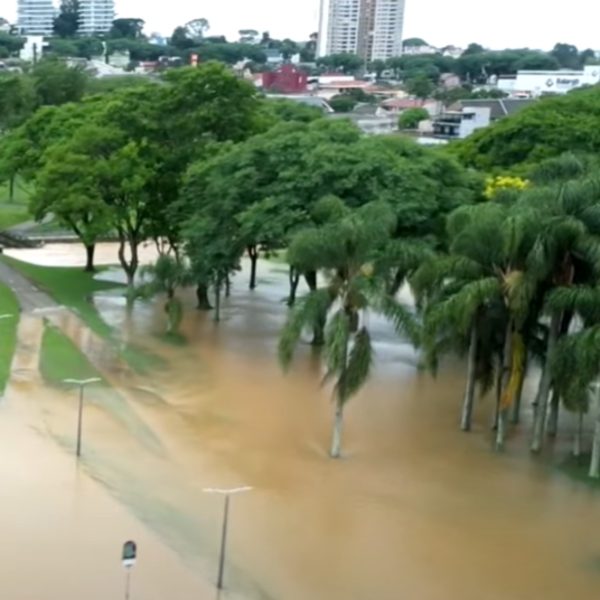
{"points": [[30, 297]]}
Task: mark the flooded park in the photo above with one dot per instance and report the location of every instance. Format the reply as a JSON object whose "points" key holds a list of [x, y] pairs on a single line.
{"points": [[414, 510]]}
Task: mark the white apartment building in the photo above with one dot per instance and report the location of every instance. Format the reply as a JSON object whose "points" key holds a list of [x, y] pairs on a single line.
{"points": [[340, 22], [370, 28], [386, 23], [96, 16], [35, 17]]}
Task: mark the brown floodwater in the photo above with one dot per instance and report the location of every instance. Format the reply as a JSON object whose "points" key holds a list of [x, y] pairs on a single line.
{"points": [[414, 510]]}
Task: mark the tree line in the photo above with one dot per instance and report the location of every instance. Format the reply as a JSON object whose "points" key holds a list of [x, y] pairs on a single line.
{"points": [[504, 274]]}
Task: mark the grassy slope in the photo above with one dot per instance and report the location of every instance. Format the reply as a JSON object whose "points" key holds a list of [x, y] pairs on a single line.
{"points": [[8, 333], [60, 359], [69, 286], [11, 216]]}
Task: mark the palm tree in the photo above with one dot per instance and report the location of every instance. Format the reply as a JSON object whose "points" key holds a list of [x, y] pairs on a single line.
{"points": [[566, 254], [164, 277], [479, 298], [346, 250]]}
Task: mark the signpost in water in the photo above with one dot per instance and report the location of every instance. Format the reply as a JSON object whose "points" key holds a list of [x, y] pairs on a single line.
{"points": [[129, 557]]}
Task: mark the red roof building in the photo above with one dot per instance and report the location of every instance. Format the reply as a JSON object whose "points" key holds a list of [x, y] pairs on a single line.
{"points": [[286, 80]]}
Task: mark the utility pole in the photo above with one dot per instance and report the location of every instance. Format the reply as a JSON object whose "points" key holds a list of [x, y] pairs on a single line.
{"points": [[81, 383], [227, 493]]}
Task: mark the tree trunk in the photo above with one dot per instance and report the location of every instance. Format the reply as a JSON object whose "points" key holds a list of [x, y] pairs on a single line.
{"points": [[89, 258], [253, 254], [319, 328], [130, 267], [553, 417], [498, 397], [336, 439], [11, 187], [595, 461], [294, 276], [541, 400], [170, 325], [516, 411], [202, 296], [311, 280], [467, 410], [507, 366], [227, 286], [578, 435], [218, 300]]}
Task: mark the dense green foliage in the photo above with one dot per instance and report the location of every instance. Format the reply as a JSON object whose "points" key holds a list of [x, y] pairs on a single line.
{"points": [[551, 126], [213, 173], [410, 118]]}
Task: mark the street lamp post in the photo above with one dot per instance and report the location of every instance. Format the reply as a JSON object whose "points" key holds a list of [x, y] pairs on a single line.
{"points": [[81, 383], [227, 493]]}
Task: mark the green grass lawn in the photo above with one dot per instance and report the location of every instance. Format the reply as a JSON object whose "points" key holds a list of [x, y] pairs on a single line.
{"points": [[73, 287], [69, 286], [8, 333], [12, 215], [22, 193], [60, 359]]}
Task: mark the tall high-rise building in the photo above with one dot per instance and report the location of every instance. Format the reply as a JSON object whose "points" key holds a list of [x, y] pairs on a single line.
{"points": [[35, 17], [370, 28], [96, 16]]}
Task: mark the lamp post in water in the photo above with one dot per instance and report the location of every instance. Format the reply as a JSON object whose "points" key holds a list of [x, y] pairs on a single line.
{"points": [[227, 493], [81, 383], [128, 558]]}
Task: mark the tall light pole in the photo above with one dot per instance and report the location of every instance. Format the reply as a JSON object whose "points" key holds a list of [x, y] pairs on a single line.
{"points": [[227, 493], [81, 383]]}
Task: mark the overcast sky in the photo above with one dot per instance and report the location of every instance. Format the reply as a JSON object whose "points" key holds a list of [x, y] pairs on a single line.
{"points": [[510, 23]]}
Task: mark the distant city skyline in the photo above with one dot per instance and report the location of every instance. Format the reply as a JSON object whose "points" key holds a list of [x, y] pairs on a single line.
{"points": [[513, 23]]}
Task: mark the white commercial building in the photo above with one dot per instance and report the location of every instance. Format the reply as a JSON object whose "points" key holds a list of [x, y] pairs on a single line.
{"points": [[538, 83], [96, 16], [35, 17], [371, 29]]}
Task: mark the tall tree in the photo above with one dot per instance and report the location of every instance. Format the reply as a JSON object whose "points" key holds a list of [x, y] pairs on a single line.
{"points": [[127, 28], [66, 23], [345, 249]]}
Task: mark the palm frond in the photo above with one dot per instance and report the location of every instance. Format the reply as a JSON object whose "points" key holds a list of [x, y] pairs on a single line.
{"points": [[358, 366], [337, 335], [308, 312], [403, 318]]}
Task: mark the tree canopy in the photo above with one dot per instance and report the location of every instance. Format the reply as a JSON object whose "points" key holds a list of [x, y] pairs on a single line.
{"points": [[546, 129]]}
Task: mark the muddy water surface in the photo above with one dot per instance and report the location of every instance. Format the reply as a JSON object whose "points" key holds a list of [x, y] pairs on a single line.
{"points": [[415, 510]]}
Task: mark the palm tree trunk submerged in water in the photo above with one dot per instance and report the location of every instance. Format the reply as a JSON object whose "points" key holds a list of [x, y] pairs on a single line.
{"points": [[467, 410], [552, 426], [578, 435], [544, 387], [509, 372], [338, 422], [595, 461]]}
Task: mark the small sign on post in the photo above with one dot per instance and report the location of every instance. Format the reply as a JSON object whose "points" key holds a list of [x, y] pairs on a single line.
{"points": [[128, 558]]}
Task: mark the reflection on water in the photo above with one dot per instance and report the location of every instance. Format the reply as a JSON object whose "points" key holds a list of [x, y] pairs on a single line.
{"points": [[415, 510]]}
